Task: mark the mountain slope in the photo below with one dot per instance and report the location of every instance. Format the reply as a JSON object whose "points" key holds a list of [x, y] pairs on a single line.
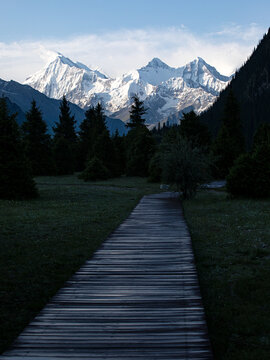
{"points": [[165, 90], [22, 96], [251, 86]]}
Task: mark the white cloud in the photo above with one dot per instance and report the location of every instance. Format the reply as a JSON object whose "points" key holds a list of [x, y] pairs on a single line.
{"points": [[120, 51]]}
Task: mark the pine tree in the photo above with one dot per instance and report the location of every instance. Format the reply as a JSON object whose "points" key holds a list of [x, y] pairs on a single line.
{"points": [[37, 142], [15, 179], [193, 130], [229, 143], [86, 138], [66, 126], [94, 139], [140, 144], [65, 141], [136, 113]]}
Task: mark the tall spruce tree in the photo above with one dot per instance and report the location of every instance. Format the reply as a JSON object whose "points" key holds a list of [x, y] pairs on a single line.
{"points": [[65, 141], [16, 181], [95, 139], [136, 113], [86, 138], [140, 144], [37, 143], [230, 142]]}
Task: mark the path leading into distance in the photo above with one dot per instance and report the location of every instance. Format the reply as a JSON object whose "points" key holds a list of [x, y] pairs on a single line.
{"points": [[137, 298]]}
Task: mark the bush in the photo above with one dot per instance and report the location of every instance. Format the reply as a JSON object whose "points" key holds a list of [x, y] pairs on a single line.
{"points": [[240, 181], [185, 166], [250, 175], [95, 170]]}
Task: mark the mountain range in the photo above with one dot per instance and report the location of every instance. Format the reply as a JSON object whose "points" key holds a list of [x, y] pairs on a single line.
{"points": [[19, 98], [166, 91]]}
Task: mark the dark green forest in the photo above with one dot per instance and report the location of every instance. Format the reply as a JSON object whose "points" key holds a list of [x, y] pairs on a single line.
{"points": [[251, 87]]}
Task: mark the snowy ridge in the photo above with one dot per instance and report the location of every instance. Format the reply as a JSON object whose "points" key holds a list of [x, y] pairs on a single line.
{"points": [[165, 90]]}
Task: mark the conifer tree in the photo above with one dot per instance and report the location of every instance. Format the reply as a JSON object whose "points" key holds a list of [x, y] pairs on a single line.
{"points": [[136, 113], [65, 141], [86, 138], [94, 138], [66, 126], [140, 144], [37, 142], [229, 143], [193, 130], [16, 181]]}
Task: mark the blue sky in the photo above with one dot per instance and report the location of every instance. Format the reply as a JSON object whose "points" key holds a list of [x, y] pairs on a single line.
{"points": [[116, 36]]}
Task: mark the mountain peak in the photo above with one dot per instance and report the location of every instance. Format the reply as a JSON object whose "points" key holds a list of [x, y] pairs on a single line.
{"points": [[157, 63], [65, 60]]}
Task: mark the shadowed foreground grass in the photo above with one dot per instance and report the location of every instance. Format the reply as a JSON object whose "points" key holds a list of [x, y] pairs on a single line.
{"points": [[44, 241], [231, 240]]}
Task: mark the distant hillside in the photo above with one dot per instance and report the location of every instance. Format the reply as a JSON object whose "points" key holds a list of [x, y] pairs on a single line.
{"points": [[251, 86], [14, 108], [20, 98]]}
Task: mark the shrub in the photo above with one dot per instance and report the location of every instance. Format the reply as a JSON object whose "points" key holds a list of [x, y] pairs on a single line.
{"points": [[185, 166], [250, 174], [240, 180], [95, 170]]}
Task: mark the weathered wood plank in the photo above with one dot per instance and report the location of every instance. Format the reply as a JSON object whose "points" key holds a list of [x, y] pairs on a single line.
{"points": [[137, 298]]}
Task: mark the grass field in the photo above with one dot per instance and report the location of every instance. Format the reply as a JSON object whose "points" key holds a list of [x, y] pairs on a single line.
{"points": [[44, 241], [231, 240]]}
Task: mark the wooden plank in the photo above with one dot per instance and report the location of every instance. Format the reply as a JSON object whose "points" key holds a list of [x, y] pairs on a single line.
{"points": [[137, 298]]}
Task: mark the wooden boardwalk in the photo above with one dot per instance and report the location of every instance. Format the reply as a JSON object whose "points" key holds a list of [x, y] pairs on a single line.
{"points": [[137, 298]]}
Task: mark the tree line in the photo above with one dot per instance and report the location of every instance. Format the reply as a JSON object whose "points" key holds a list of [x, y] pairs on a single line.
{"points": [[183, 155], [30, 151]]}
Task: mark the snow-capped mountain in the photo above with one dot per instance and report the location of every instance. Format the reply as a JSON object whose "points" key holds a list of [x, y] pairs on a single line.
{"points": [[164, 89]]}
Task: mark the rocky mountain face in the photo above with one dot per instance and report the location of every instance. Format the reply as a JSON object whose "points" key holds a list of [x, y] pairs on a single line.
{"points": [[166, 91]]}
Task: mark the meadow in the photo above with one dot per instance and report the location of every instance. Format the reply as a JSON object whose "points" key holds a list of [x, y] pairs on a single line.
{"points": [[231, 241], [44, 241]]}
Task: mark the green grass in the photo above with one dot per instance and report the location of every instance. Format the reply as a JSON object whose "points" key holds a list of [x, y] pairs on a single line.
{"points": [[231, 240], [44, 241]]}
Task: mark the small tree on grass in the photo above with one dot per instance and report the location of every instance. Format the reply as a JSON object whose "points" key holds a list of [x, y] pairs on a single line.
{"points": [[184, 166], [95, 170], [16, 181]]}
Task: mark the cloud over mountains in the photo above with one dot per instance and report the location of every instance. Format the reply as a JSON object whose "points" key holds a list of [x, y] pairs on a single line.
{"points": [[119, 51]]}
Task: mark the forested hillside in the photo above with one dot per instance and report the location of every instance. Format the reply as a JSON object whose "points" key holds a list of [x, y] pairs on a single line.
{"points": [[251, 87]]}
